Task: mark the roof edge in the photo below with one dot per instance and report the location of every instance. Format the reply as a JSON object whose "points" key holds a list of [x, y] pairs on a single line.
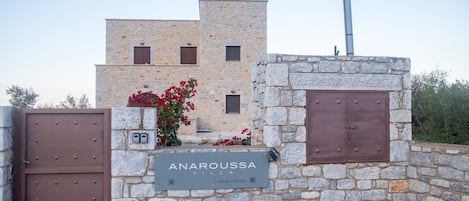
{"points": [[116, 19]]}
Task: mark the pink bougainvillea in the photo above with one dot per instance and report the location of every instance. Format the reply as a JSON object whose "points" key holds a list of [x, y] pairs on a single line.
{"points": [[171, 106], [235, 140]]}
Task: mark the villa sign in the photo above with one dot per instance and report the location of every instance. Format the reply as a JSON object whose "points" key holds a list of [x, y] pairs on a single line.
{"points": [[184, 171]]}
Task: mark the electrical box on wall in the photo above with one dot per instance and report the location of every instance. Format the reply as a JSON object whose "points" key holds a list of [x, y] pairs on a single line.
{"points": [[140, 138]]}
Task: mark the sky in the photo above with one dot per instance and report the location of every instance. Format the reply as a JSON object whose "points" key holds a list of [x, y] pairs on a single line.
{"points": [[52, 46]]}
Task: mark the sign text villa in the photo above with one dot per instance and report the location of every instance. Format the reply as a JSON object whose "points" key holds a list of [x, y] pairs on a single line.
{"points": [[178, 171]]}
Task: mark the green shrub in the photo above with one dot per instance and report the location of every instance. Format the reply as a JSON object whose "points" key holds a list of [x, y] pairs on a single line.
{"points": [[440, 110]]}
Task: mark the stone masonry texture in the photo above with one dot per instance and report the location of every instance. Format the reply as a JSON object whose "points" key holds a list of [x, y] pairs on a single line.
{"points": [[222, 23], [415, 171], [6, 153]]}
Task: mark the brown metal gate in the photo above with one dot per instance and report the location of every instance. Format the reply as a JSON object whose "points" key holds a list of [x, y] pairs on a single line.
{"points": [[62, 155]]}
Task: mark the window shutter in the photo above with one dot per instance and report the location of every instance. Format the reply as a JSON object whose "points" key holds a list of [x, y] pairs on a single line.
{"points": [[188, 55], [141, 55], [232, 104], [233, 53]]}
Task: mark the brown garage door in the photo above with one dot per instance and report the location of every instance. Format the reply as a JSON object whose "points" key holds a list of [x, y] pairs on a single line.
{"points": [[62, 155]]}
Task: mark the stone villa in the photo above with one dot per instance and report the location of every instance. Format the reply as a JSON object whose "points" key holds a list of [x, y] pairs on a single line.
{"points": [[218, 50]]}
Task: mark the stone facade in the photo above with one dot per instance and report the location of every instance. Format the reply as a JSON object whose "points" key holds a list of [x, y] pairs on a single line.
{"points": [[428, 172], [222, 23], [6, 152], [280, 83], [425, 171]]}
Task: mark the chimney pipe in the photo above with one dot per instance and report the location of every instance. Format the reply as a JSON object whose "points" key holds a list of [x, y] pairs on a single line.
{"points": [[348, 27]]}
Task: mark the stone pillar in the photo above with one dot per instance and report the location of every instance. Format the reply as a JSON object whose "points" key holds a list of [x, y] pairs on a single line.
{"points": [[132, 172], [6, 152]]}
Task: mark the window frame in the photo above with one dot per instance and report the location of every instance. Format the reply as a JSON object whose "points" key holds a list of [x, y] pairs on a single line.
{"points": [[229, 107], [188, 55], [142, 55], [233, 53]]}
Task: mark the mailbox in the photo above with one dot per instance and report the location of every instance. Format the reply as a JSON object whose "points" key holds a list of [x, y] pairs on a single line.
{"points": [[136, 138], [140, 138], [143, 138]]}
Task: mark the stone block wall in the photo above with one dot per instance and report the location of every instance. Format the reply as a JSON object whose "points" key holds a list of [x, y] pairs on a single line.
{"points": [[122, 35], [6, 152], [438, 172], [133, 174], [131, 166], [280, 83]]}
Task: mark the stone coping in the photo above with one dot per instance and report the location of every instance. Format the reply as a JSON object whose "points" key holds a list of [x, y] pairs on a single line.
{"points": [[211, 148], [441, 145], [147, 65]]}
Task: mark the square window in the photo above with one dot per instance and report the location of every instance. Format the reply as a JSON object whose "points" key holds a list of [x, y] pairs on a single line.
{"points": [[141, 55], [233, 104], [233, 53], [188, 55]]}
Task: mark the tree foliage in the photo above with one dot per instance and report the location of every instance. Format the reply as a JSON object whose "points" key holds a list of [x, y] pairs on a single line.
{"points": [[72, 102], [21, 97], [440, 109]]}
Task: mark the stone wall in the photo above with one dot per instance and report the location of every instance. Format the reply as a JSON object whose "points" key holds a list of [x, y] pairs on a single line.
{"points": [[122, 35], [438, 172], [280, 83], [6, 153], [131, 167]]}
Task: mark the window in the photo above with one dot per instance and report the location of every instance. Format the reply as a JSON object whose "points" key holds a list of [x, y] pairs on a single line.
{"points": [[188, 55], [232, 104], [141, 55], [233, 53], [347, 126]]}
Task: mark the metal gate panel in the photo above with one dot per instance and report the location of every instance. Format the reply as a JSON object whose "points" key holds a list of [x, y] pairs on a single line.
{"points": [[46, 135], [62, 155], [369, 126], [326, 145], [347, 126], [70, 187]]}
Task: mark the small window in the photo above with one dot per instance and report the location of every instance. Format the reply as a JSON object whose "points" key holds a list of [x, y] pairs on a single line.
{"points": [[233, 53], [141, 55], [188, 55], [232, 104]]}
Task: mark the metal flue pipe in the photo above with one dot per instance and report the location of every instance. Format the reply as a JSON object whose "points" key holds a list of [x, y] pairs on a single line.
{"points": [[348, 27]]}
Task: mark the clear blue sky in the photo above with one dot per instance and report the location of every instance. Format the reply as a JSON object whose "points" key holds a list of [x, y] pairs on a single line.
{"points": [[53, 45]]}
